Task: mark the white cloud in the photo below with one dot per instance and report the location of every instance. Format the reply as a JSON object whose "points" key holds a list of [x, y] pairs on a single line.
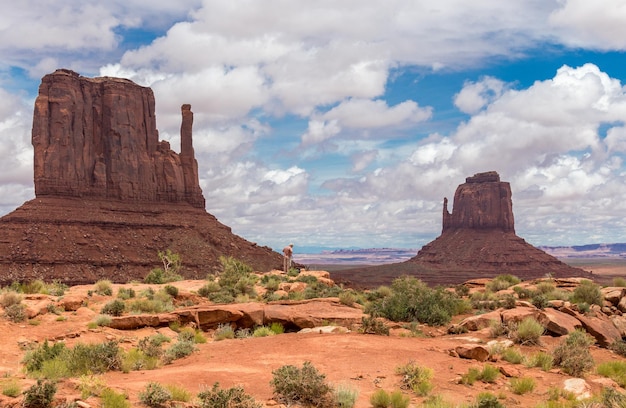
{"points": [[596, 24], [616, 139], [476, 95]]}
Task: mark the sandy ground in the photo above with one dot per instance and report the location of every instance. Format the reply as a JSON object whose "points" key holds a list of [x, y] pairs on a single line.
{"points": [[363, 362]]}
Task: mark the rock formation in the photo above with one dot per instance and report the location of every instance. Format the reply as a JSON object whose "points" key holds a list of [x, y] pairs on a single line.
{"points": [[478, 240], [109, 194]]}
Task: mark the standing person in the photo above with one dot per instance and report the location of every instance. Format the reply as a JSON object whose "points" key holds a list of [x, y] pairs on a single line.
{"points": [[288, 252]]}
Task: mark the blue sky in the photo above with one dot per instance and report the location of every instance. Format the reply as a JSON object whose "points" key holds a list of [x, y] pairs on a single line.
{"points": [[344, 124]]}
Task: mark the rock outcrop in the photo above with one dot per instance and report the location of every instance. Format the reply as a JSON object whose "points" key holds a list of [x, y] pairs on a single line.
{"points": [[109, 194], [478, 240], [97, 138]]}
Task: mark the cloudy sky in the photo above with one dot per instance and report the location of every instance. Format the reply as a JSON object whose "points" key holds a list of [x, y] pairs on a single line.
{"points": [[336, 124]]}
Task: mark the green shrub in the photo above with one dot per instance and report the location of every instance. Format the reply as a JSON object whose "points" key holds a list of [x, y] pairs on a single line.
{"points": [[179, 350], [112, 399], [611, 398], [528, 332], [40, 394], [103, 287], [502, 282], [472, 375], [487, 400], [277, 328], [150, 306], [489, 373], [587, 292], [178, 393], [416, 378], [513, 355], [573, 355], [34, 359], [305, 386], [15, 312], [412, 300], [615, 370], [262, 331], [10, 298], [54, 369], [11, 388], [35, 286], [373, 325], [346, 396], [522, 385], [114, 308], [91, 385], [171, 290], [151, 345], [619, 282], [380, 399], [155, 396], [541, 360], [347, 297], [209, 288], [101, 320], [540, 301], [234, 397], [619, 347], [436, 401], [223, 332], [136, 359], [169, 273], [125, 294], [93, 358]]}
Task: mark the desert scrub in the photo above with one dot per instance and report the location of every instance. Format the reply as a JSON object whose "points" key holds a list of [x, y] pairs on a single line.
{"points": [[100, 320], [348, 297], [618, 347], [126, 293], [502, 282], [373, 325], [9, 298], [528, 332], [383, 399], [169, 273], [345, 396], [540, 359], [513, 355], [277, 328], [135, 359], [103, 287], [223, 332], [587, 292], [178, 393], [488, 374], [89, 385], [573, 355], [11, 388], [114, 308], [522, 385], [16, 312], [486, 400], [412, 300], [234, 397], [416, 378], [615, 370], [304, 386], [611, 398], [178, 350], [155, 396], [112, 399], [40, 395], [151, 305]]}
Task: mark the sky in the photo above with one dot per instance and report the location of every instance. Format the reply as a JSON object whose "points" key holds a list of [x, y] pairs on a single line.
{"points": [[344, 124]]}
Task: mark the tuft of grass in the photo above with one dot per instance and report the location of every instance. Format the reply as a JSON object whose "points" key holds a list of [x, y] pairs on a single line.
{"points": [[542, 360], [528, 332], [112, 399], [380, 399], [10, 298], [416, 378], [91, 385], [136, 360], [262, 331], [436, 401], [11, 388], [103, 287], [513, 355], [223, 332], [277, 328], [615, 370], [522, 385], [489, 373], [178, 393], [346, 396]]}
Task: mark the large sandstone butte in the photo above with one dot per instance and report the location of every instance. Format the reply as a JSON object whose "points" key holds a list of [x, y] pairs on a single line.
{"points": [[478, 240], [109, 194]]}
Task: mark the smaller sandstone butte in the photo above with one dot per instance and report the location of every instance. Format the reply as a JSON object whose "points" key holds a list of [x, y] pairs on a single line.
{"points": [[109, 194], [478, 240]]}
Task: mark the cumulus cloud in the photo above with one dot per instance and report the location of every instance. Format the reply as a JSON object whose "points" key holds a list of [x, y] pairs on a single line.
{"points": [[476, 95]]}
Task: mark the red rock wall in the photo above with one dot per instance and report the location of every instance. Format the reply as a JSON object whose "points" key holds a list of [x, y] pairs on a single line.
{"points": [[482, 202], [97, 138]]}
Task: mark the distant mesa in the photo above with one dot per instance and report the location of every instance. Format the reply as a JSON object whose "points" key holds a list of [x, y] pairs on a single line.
{"points": [[478, 240], [109, 194]]}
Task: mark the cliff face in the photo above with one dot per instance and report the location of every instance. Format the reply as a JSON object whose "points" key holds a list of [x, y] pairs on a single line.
{"points": [[97, 138], [110, 195], [482, 202]]}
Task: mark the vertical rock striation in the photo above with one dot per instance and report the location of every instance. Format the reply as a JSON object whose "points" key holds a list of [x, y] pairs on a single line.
{"points": [[97, 138]]}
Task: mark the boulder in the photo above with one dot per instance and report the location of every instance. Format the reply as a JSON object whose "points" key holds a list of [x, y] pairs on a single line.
{"points": [[71, 303], [312, 313], [472, 352], [613, 294], [518, 314], [558, 323], [481, 321], [599, 326], [133, 322], [620, 324], [579, 387]]}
